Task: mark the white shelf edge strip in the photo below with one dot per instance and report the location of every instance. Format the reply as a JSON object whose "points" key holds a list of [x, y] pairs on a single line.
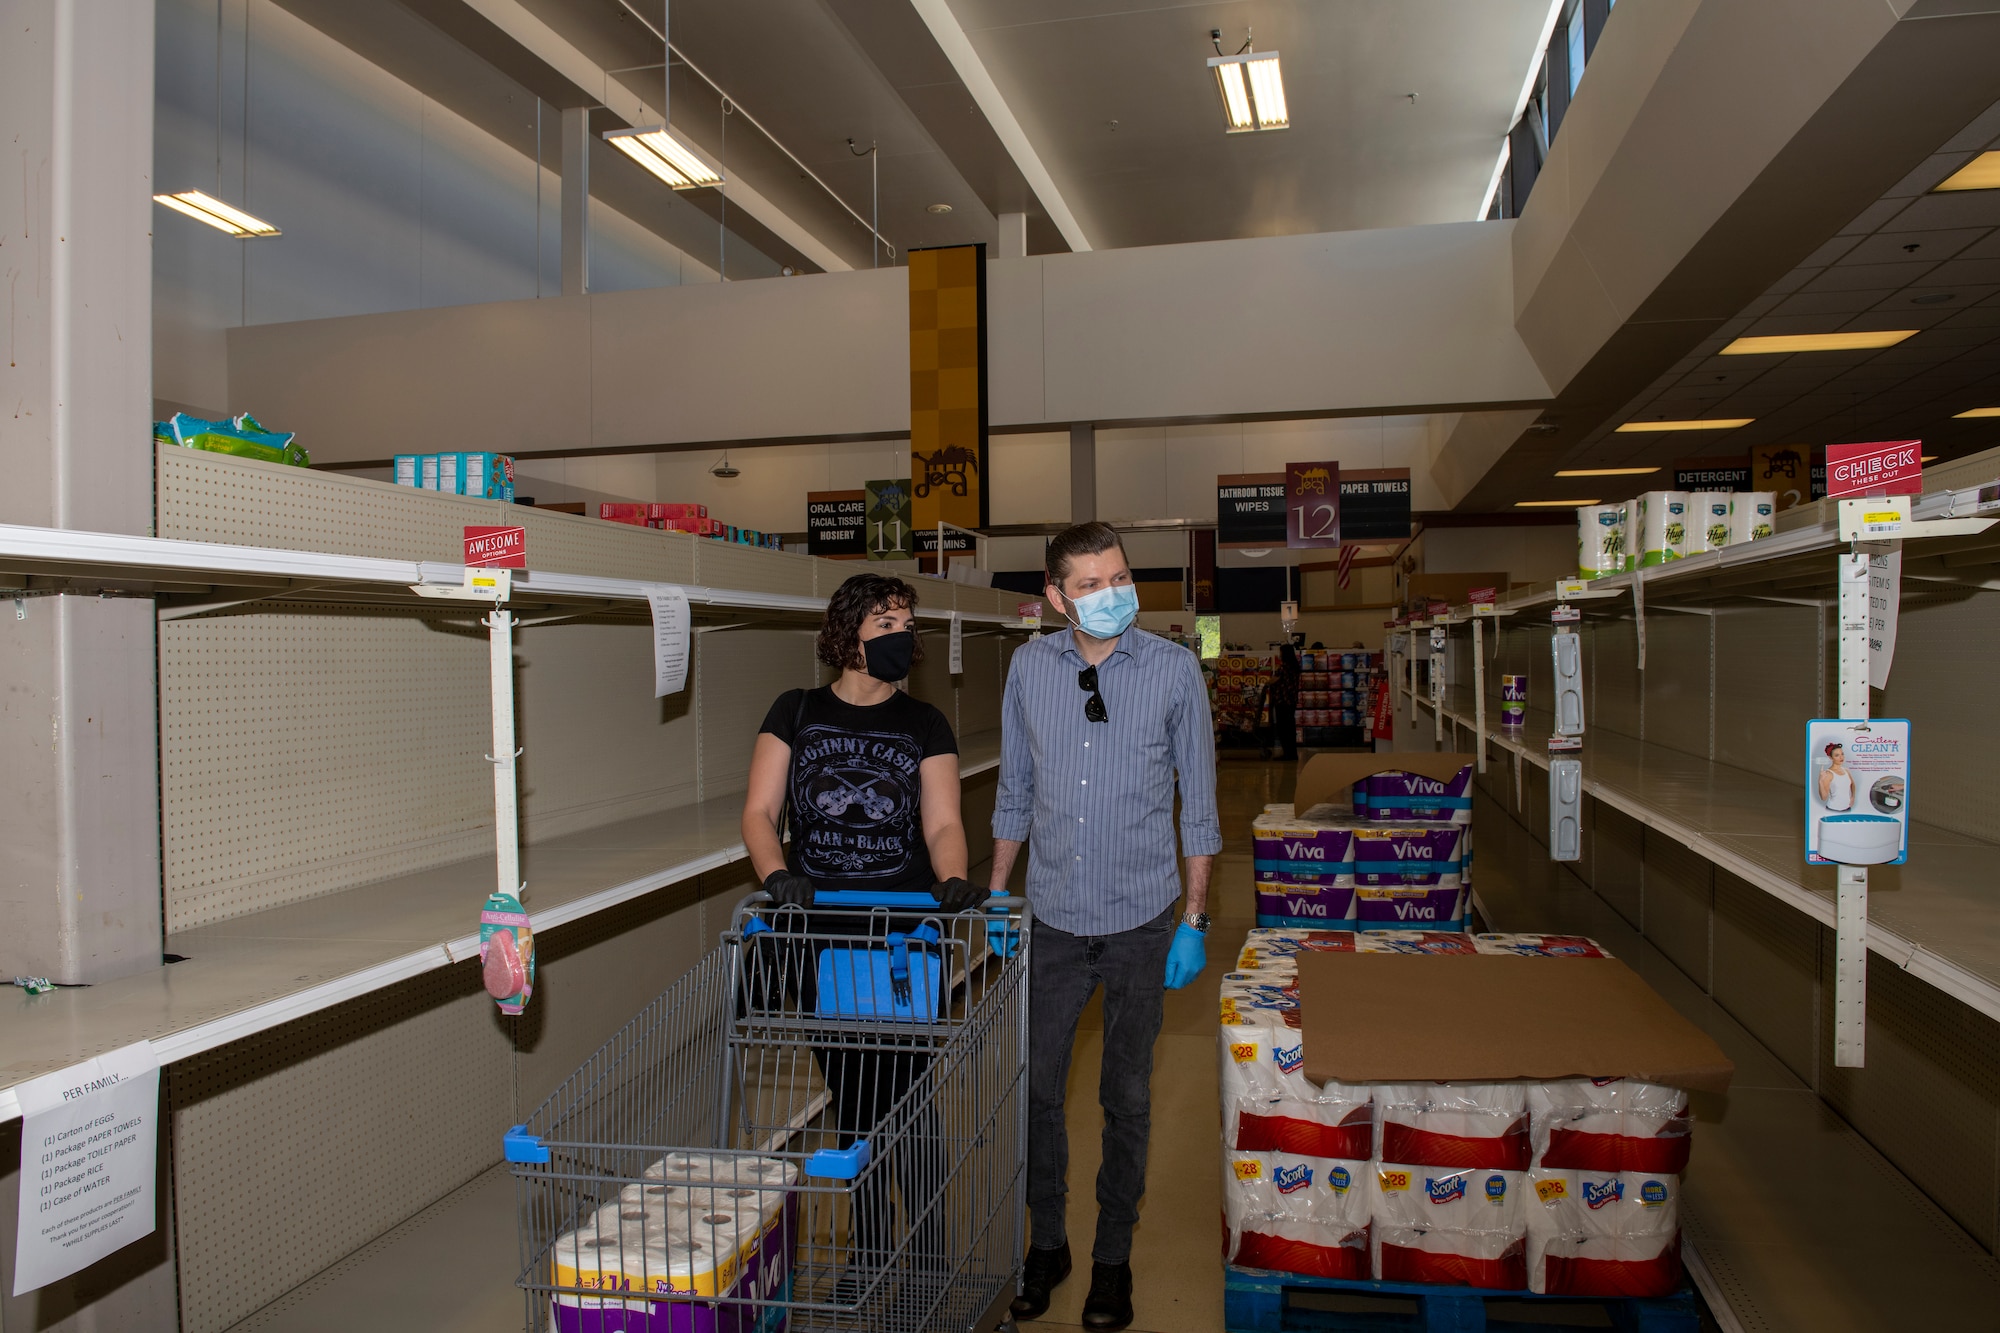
{"points": [[258, 1018], [168, 555], [1937, 971]]}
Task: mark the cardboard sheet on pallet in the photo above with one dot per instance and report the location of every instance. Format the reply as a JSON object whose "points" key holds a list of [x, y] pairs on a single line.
{"points": [[1414, 1018], [1329, 777]]}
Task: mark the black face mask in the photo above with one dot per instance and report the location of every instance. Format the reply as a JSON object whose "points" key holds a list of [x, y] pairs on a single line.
{"points": [[889, 655]]}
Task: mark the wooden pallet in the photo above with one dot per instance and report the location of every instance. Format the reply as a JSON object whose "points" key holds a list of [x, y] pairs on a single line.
{"points": [[1255, 1301]]}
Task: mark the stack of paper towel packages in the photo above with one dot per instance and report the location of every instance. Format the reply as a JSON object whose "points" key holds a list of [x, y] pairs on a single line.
{"points": [[1395, 854], [1565, 1188], [697, 1225]]}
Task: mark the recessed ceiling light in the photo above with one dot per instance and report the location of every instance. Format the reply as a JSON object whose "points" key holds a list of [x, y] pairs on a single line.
{"points": [[939, 209], [1817, 342], [1552, 504], [1607, 472], [1253, 91], [1978, 412], [1981, 173], [207, 208], [1703, 423], [662, 152]]}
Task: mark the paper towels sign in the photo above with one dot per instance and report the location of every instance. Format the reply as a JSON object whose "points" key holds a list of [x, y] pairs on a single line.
{"points": [[1857, 791], [89, 1135]]}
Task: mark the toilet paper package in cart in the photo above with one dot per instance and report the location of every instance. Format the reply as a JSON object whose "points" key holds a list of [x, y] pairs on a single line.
{"points": [[1857, 791]]}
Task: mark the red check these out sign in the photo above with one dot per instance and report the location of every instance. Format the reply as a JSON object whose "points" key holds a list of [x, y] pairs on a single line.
{"points": [[1890, 467]]}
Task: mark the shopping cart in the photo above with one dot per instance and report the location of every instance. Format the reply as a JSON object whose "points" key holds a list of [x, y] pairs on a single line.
{"points": [[821, 1125]]}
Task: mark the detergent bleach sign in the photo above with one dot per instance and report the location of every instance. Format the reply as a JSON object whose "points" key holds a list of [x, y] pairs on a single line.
{"points": [[1889, 467]]}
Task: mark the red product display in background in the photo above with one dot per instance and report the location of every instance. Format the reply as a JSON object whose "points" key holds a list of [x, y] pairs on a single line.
{"points": [[496, 548], [1886, 467]]}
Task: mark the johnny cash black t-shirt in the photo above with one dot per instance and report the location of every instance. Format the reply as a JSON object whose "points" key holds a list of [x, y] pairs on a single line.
{"points": [[855, 787]]}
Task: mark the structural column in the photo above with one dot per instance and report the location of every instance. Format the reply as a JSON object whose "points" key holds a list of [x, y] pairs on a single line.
{"points": [[1082, 472], [1013, 235], [79, 722], [575, 200]]}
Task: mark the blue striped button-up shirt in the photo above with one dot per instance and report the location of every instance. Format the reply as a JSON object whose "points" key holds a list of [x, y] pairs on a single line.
{"points": [[1094, 801]]}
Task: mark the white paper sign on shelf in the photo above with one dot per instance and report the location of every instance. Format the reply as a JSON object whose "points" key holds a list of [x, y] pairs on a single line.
{"points": [[670, 638], [90, 1135], [957, 644], [1885, 599]]}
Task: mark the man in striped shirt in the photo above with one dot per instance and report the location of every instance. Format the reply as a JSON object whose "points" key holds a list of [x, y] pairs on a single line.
{"points": [[1097, 723]]}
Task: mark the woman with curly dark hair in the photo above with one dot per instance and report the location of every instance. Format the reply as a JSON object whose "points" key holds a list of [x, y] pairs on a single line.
{"points": [[871, 773]]}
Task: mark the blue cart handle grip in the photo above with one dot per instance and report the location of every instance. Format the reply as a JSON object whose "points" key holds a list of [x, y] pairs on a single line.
{"points": [[840, 1163]]}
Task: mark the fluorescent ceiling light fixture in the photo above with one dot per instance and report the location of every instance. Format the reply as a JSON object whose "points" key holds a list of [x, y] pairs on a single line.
{"points": [[1702, 423], [1981, 173], [663, 153], [1607, 472], [1552, 504], [1977, 412], [207, 208], [1928, 458], [1253, 91], [1817, 342]]}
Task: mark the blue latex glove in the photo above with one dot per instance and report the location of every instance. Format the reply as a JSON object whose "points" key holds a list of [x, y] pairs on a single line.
{"points": [[1187, 957]]}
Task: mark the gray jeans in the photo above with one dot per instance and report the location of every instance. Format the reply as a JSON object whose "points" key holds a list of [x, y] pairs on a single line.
{"points": [[1064, 970]]}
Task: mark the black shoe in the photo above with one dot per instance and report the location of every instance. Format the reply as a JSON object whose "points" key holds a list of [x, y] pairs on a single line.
{"points": [[1109, 1305], [1040, 1275]]}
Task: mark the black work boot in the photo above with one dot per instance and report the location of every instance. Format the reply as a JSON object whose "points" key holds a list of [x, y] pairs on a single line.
{"points": [[1108, 1307], [1040, 1275]]}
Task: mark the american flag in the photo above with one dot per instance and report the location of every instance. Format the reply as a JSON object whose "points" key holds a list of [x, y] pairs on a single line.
{"points": [[1346, 570]]}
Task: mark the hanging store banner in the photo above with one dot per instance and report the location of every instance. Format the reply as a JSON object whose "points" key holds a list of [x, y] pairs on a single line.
{"points": [[1201, 572], [1886, 467], [1250, 510], [1375, 504], [495, 547], [837, 524], [887, 511], [1787, 471], [948, 386], [1312, 506]]}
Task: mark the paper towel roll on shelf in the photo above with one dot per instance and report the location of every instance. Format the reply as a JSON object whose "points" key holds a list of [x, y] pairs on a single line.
{"points": [[1663, 526], [1603, 1233], [1708, 520], [1600, 540], [1752, 515]]}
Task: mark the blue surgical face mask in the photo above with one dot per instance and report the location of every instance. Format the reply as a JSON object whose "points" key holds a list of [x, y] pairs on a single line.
{"points": [[1108, 612]]}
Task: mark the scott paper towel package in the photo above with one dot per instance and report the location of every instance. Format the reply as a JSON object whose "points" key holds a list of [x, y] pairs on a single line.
{"points": [[1610, 1124], [1295, 1213], [1453, 1124], [1603, 1234], [1464, 1226], [1540, 946], [1407, 796]]}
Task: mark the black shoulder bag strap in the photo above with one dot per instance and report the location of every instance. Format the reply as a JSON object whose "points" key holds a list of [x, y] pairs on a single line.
{"points": [[785, 811]]}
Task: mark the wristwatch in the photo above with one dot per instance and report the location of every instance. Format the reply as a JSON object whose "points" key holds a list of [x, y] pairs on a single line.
{"points": [[1199, 920]]}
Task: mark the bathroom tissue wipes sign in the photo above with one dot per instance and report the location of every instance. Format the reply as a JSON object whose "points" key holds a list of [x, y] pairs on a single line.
{"points": [[1857, 792]]}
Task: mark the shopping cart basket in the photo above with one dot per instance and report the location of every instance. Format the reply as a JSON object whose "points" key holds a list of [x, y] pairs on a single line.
{"points": [[821, 1125]]}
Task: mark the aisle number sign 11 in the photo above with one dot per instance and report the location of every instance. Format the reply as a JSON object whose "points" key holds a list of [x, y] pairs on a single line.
{"points": [[889, 520], [1312, 505]]}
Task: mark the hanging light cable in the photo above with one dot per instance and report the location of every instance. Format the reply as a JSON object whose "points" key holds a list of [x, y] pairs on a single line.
{"points": [[208, 208]]}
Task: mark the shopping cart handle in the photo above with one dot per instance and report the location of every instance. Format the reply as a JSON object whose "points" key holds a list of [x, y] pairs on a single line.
{"points": [[840, 1163], [521, 1146]]}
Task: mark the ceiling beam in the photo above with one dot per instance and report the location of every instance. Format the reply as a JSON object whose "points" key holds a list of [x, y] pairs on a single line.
{"points": [[957, 48], [547, 45]]}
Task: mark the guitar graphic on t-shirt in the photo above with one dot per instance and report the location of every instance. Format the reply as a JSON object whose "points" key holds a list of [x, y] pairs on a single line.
{"points": [[836, 801]]}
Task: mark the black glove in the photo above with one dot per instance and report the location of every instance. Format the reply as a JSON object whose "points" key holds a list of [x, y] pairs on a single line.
{"points": [[959, 895], [786, 889]]}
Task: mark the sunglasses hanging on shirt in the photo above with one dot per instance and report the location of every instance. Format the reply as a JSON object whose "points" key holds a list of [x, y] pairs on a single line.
{"points": [[1093, 707]]}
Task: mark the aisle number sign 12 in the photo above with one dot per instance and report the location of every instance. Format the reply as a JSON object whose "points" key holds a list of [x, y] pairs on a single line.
{"points": [[1312, 505]]}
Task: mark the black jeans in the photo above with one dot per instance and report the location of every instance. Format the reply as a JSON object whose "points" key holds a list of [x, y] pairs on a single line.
{"points": [[1064, 970]]}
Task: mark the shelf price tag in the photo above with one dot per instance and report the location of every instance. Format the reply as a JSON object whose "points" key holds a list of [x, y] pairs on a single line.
{"points": [[89, 1139], [957, 663], [1568, 588]]}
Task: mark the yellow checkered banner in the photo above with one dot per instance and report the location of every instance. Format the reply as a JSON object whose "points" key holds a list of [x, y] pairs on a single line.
{"points": [[948, 387]]}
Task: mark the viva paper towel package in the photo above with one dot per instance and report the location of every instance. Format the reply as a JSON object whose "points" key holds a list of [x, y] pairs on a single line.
{"points": [[1708, 528], [1596, 1233], [1600, 540], [1295, 1213], [1410, 875], [1663, 526], [1304, 868], [1752, 515], [1394, 794]]}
